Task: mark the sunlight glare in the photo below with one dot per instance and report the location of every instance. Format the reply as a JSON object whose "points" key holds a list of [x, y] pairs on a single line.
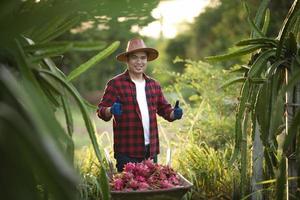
{"points": [[170, 14]]}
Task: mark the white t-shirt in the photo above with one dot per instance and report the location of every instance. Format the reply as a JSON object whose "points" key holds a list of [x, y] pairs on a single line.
{"points": [[142, 101]]}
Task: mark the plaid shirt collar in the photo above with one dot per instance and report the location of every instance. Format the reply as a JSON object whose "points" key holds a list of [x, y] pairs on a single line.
{"points": [[127, 76]]}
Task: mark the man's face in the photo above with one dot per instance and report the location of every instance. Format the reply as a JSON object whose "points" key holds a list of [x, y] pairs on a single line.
{"points": [[137, 62]]}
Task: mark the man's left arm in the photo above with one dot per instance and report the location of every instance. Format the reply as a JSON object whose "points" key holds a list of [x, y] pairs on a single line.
{"points": [[164, 108]]}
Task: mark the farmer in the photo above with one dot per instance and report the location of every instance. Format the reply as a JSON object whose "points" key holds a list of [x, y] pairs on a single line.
{"points": [[133, 99]]}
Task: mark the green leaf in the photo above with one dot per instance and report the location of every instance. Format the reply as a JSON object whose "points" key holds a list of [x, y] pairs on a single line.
{"points": [[260, 14], [75, 46], [281, 180], [271, 163], [258, 41], [277, 104], [296, 28], [237, 53], [257, 80], [258, 18], [59, 27], [23, 65], [274, 67], [68, 114], [51, 92], [91, 130], [244, 148], [37, 138], [47, 62], [53, 68], [293, 131], [267, 182], [255, 29], [266, 22], [261, 10], [260, 63], [232, 81], [70, 125], [93, 61], [288, 24], [243, 68], [39, 34], [48, 47], [269, 107], [242, 107], [39, 55], [261, 112], [89, 105], [234, 155], [239, 119], [105, 188]]}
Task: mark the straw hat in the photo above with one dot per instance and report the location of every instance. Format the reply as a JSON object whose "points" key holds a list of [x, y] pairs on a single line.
{"points": [[135, 45]]}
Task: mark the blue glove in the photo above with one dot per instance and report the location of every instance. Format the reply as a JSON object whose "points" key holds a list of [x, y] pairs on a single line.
{"points": [[116, 108], [177, 111]]}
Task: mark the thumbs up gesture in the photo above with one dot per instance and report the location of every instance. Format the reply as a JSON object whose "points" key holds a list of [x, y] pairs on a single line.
{"points": [[177, 111], [116, 108]]}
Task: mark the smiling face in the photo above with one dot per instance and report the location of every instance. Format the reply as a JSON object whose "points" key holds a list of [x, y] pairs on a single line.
{"points": [[137, 64]]}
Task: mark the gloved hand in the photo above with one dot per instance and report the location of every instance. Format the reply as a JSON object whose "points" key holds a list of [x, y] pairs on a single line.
{"points": [[116, 108], [177, 111]]}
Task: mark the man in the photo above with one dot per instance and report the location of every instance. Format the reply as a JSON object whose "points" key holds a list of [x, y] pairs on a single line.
{"points": [[134, 99]]}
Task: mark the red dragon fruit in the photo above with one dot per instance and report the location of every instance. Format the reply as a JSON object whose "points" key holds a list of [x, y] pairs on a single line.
{"points": [[146, 175]]}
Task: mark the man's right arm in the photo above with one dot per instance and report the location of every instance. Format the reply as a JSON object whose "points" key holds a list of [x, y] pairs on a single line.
{"points": [[104, 107]]}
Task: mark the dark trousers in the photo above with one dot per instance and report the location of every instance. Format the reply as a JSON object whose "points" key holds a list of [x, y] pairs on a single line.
{"points": [[123, 159]]}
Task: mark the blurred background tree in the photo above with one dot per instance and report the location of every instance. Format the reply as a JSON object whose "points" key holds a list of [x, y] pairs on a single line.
{"points": [[216, 30], [111, 20]]}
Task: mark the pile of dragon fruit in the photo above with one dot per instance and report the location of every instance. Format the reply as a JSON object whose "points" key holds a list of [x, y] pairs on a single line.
{"points": [[146, 175]]}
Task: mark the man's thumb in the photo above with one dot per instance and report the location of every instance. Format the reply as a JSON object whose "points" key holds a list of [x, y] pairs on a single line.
{"points": [[177, 104], [118, 99]]}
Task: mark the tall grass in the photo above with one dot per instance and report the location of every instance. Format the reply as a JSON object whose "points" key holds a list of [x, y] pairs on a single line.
{"points": [[209, 170]]}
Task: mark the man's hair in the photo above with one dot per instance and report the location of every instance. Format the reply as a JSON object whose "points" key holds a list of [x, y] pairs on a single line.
{"points": [[127, 56]]}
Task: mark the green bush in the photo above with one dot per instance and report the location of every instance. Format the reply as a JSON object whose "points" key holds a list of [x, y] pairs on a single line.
{"points": [[210, 109], [205, 136]]}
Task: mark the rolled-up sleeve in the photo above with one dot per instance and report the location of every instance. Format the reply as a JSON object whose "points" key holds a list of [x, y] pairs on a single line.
{"points": [[107, 100]]}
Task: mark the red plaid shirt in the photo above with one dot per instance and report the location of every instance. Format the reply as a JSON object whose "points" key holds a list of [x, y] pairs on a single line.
{"points": [[128, 127]]}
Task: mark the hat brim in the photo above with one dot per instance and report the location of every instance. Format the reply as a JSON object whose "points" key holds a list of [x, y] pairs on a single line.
{"points": [[152, 54]]}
